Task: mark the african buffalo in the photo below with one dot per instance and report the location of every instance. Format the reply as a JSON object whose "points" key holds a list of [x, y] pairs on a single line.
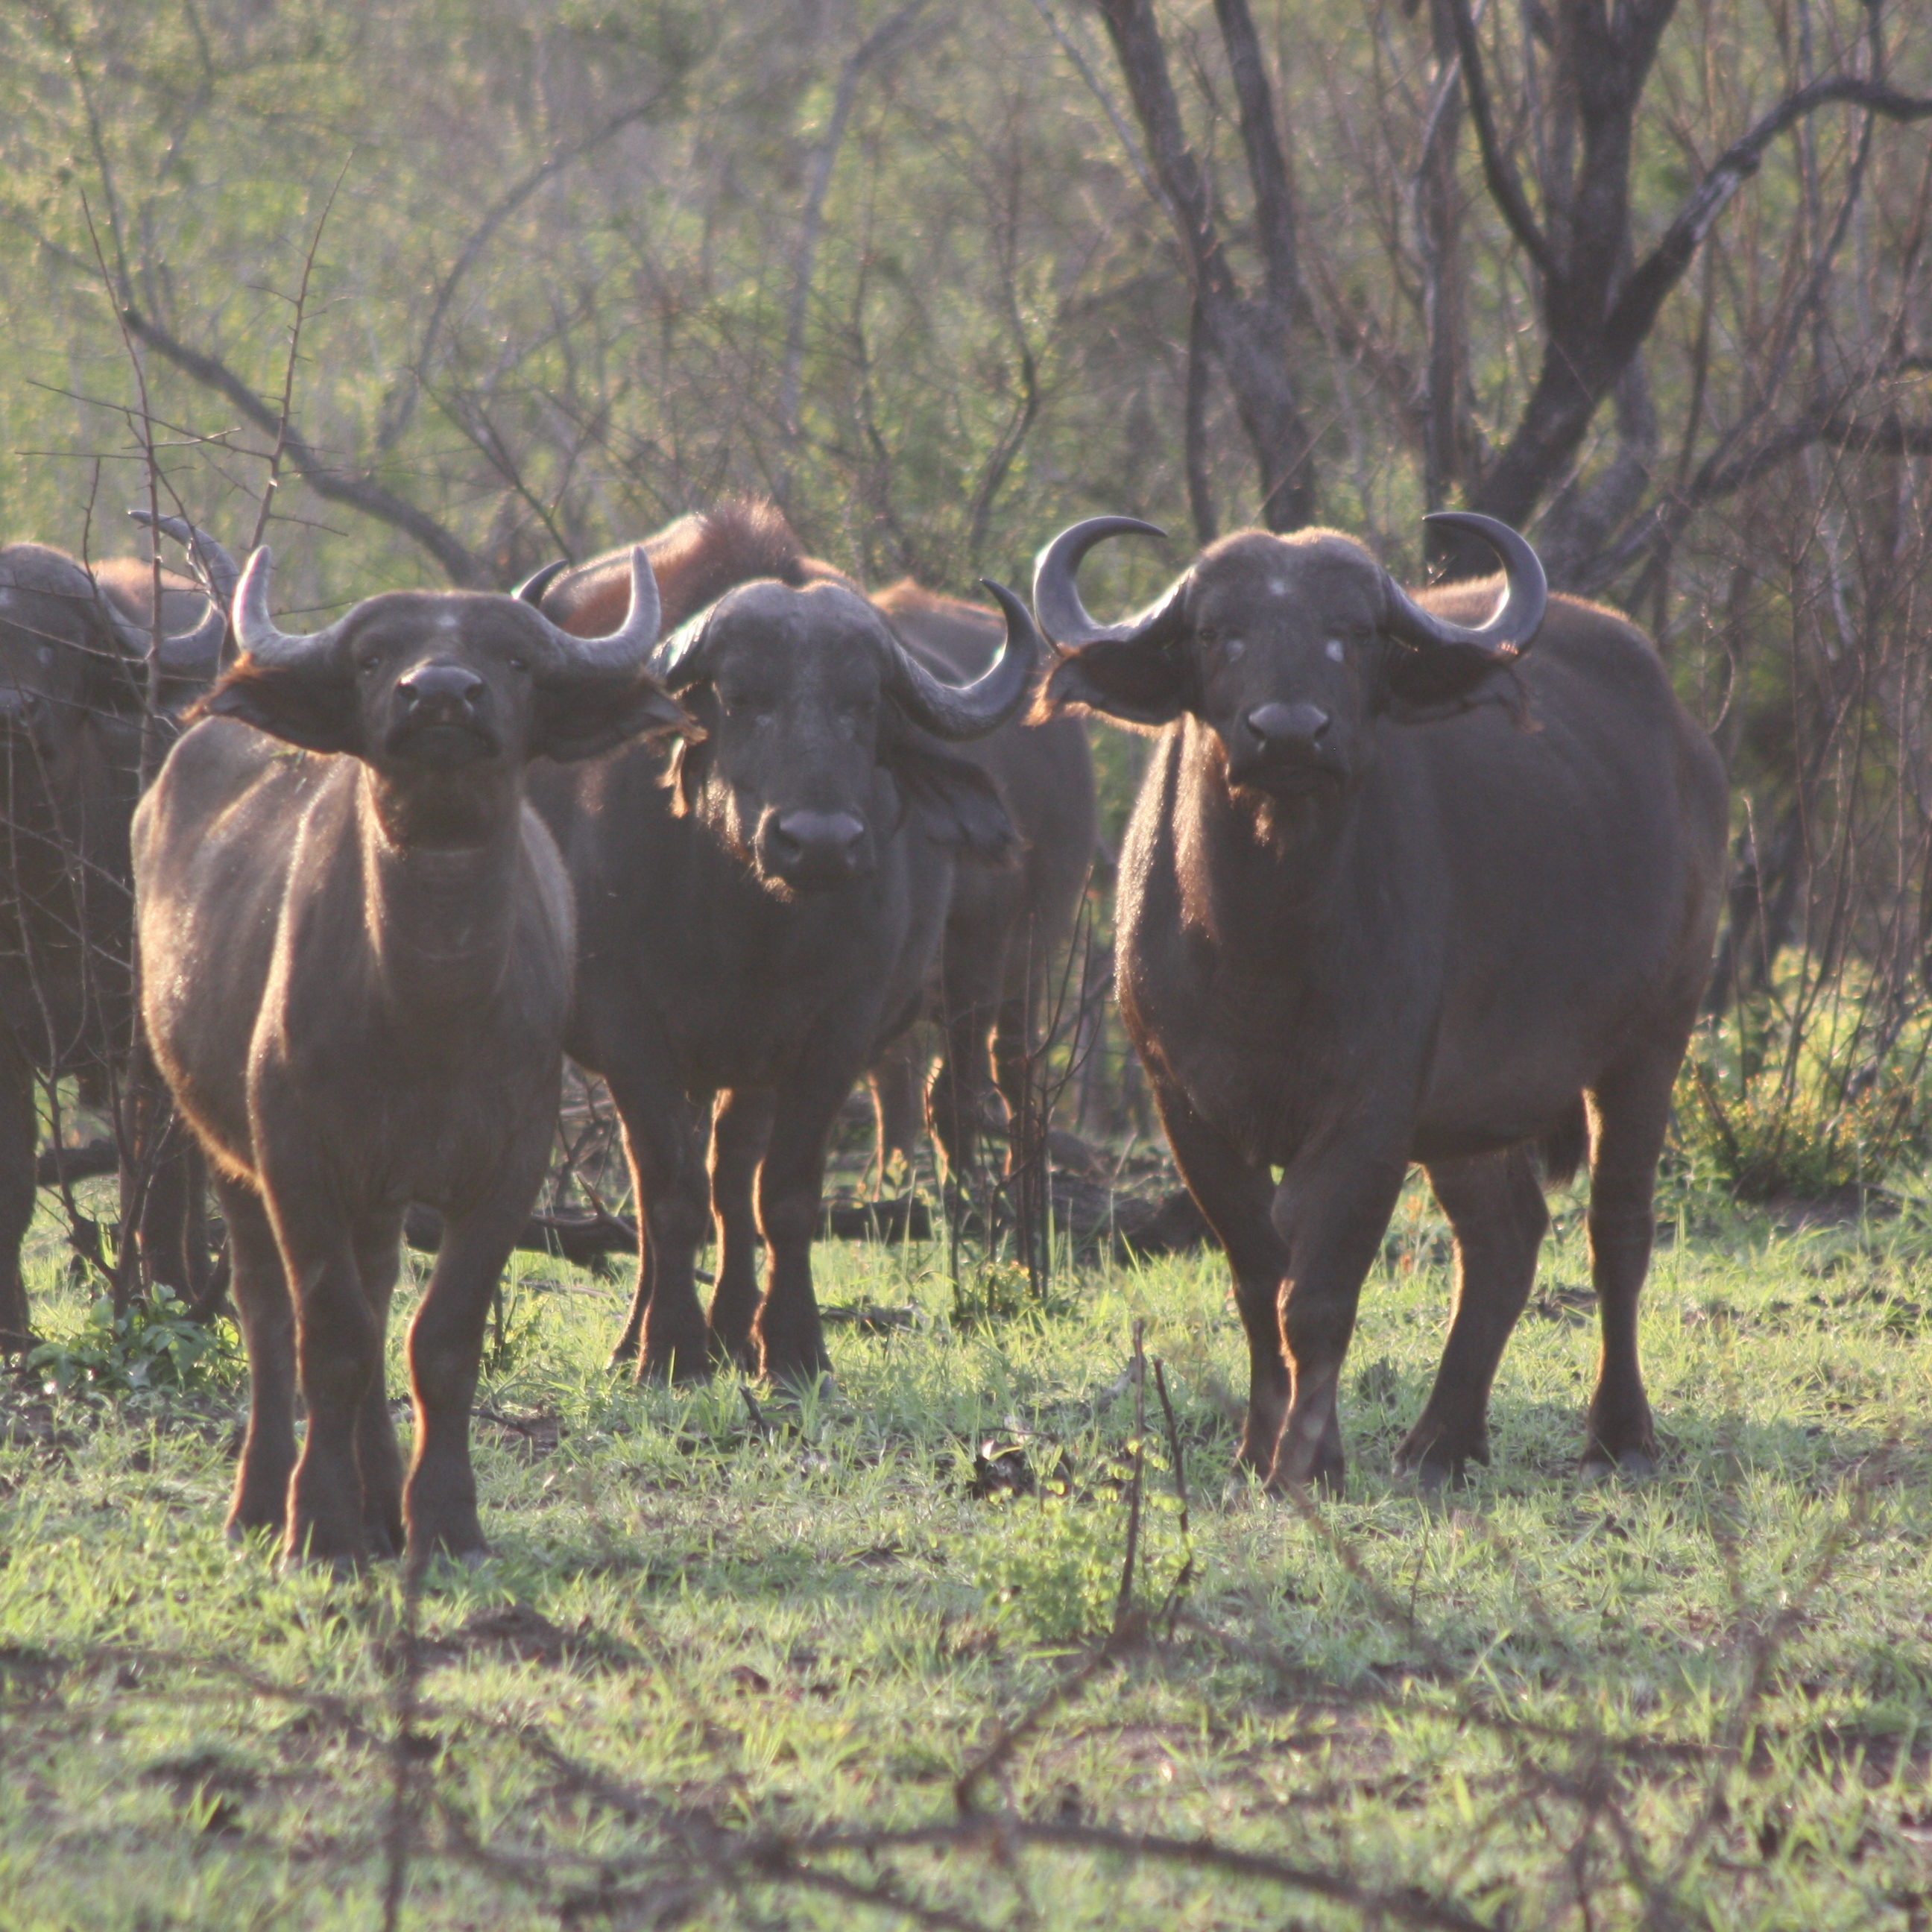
{"points": [[1398, 889], [1006, 924], [1007, 918], [356, 968], [73, 687], [759, 917]]}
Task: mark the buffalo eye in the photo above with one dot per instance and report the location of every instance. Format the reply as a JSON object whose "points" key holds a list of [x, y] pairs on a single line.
{"points": [[518, 664], [370, 666]]}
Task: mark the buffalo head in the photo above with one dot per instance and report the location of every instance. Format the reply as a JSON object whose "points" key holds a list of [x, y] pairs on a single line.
{"points": [[419, 684], [1285, 646], [821, 731], [68, 650]]}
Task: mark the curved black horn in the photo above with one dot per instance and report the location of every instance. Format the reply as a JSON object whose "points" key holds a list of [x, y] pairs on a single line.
{"points": [[1518, 617], [531, 590], [1056, 597], [209, 555], [255, 630], [957, 713], [631, 643]]}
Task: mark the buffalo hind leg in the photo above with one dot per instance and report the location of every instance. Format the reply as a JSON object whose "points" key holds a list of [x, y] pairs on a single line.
{"points": [[267, 1317], [898, 1081], [1494, 1205], [665, 1330], [1235, 1195], [1331, 1211], [963, 1088], [1631, 1112], [19, 1151], [739, 1129]]}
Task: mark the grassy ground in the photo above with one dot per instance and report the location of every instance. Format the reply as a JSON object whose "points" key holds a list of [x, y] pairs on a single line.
{"points": [[729, 1661]]}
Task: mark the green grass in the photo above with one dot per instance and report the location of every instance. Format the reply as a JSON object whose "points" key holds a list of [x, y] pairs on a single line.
{"points": [[1703, 1700]]}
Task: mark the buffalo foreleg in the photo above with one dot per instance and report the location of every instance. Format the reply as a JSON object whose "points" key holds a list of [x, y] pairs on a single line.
{"points": [[1234, 1194], [791, 1341], [446, 1349], [267, 1321], [378, 1258], [1331, 1211], [739, 1129], [1631, 1111], [1494, 1205], [19, 1138]]}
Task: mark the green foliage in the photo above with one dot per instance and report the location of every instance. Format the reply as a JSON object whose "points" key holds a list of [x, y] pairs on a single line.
{"points": [[154, 1351], [1056, 1571], [1769, 1116], [1780, 1140]]}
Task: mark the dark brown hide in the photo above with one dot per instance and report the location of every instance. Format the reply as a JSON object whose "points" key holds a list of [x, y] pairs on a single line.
{"points": [[1379, 905], [70, 704], [758, 920], [1007, 925], [356, 966]]}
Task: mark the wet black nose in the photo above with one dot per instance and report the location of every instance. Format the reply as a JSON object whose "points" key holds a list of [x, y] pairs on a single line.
{"points": [[815, 848], [438, 691], [1292, 728]]}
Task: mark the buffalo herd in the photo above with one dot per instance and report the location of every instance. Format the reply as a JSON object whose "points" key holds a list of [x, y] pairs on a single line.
{"points": [[1427, 878]]}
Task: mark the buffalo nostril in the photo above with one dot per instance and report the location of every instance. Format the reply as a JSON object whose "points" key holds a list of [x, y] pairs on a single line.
{"points": [[444, 685], [816, 838], [1288, 725]]}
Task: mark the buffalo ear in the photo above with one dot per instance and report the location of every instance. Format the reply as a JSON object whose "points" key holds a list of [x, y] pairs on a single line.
{"points": [[1439, 682], [690, 761], [584, 714], [1144, 684], [313, 707], [959, 804]]}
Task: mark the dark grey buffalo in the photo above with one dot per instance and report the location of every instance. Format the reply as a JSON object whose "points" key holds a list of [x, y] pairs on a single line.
{"points": [[1007, 925], [356, 943], [761, 916], [1009, 916], [72, 689], [1397, 889]]}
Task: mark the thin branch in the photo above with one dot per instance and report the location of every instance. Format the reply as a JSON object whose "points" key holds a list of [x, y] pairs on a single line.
{"points": [[1659, 272], [460, 564], [1504, 188]]}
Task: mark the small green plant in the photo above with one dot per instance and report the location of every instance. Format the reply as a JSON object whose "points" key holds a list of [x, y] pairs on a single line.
{"points": [[512, 1326], [156, 1347], [1777, 1139], [1056, 1571]]}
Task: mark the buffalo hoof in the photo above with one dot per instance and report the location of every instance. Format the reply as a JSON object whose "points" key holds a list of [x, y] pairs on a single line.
{"points": [[683, 1366], [1434, 1465], [424, 1563], [1635, 1466], [799, 1377], [730, 1349], [342, 1569], [1325, 1482]]}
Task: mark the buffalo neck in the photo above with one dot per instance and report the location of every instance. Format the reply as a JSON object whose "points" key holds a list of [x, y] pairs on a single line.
{"points": [[1301, 847], [440, 913]]}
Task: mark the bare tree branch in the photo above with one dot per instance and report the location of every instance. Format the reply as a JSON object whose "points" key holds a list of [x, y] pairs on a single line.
{"points": [[460, 564]]}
